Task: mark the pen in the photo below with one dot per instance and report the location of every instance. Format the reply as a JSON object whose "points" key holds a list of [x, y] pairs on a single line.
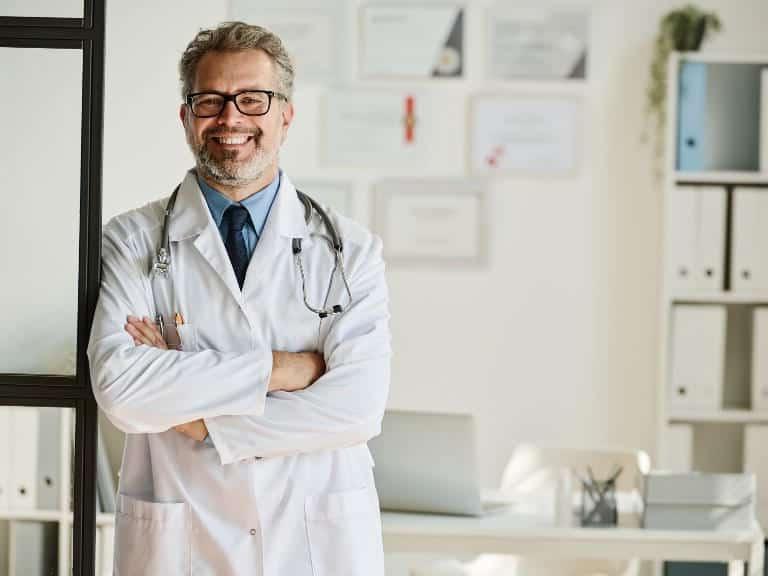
{"points": [[178, 319], [160, 324]]}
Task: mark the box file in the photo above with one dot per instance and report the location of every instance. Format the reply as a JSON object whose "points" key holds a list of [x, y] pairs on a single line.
{"points": [[24, 440], [697, 357]]}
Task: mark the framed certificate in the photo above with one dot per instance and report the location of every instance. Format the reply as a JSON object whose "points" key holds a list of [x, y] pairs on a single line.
{"points": [[315, 34], [537, 41], [429, 40], [431, 221], [374, 129], [525, 135]]}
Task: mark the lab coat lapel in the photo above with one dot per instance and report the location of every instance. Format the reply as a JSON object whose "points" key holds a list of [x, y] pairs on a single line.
{"points": [[285, 221], [192, 218]]}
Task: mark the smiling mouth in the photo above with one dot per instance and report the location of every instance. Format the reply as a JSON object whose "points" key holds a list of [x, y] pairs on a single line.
{"points": [[232, 140]]}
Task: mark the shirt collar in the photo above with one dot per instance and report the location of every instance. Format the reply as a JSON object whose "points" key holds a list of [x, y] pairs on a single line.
{"points": [[257, 204]]}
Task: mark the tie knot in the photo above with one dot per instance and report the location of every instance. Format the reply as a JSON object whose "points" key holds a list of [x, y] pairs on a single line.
{"points": [[238, 216]]}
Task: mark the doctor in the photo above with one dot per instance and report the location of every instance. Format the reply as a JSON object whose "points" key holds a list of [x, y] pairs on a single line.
{"points": [[247, 415]]}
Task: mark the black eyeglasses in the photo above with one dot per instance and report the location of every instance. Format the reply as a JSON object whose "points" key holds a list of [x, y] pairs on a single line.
{"points": [[248, 102]]}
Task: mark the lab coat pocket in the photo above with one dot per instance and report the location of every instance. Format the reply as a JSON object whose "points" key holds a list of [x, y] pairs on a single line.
{"points": [[151, 538], [344, 531]]}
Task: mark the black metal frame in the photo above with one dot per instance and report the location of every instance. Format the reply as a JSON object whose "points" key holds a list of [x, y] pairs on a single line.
{"points": [[86, 34]]}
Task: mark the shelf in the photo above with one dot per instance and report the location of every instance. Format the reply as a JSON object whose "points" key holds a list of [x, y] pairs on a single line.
{"points": [[733, 416], [724, 178], [39, 515], [720, 298], [51, 516]]}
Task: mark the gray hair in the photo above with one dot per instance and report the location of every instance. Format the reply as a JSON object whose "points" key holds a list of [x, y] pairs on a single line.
{"points": [[236, 37]]}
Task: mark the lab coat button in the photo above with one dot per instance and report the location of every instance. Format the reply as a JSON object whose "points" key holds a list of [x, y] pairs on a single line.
{"points": [[253, 531]]}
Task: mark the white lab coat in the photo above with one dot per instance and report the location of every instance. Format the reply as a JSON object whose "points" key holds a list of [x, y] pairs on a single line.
{"points": [[285, 488]]}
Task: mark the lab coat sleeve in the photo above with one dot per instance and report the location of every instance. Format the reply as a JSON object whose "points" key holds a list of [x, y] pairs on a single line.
{"points": [[144, 389], [343, 407]]}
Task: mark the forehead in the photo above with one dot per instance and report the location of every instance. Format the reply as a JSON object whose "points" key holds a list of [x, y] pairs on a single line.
{"points": [[232, 71]]}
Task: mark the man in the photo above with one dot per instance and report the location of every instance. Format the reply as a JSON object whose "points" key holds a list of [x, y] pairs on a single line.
{"points": [[247, 414]]}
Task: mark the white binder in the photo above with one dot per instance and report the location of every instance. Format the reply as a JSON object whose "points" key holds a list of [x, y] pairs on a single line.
{"points": [[5, 456], [696, 238], [48, 459], [697, 357], [760, 360], [681, 226], [710, 240], [749, 264], [24, 443]]}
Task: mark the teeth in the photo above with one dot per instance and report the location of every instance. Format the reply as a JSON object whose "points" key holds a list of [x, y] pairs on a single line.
{"points": [[233, 140]]}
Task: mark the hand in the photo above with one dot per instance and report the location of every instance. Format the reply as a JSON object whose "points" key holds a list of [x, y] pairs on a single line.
{"points": [[292, 371], [144, 331], [197, 430]]}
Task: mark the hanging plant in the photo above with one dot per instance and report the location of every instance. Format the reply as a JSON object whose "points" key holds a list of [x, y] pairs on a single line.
{"points": [[682, 30]]}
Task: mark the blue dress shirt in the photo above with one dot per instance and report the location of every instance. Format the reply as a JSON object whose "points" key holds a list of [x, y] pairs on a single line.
{"points": [[258, 206]]}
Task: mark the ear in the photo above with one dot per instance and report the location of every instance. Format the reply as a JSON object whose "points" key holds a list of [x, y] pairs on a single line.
{"points": [[287, 118], [183, 114]]}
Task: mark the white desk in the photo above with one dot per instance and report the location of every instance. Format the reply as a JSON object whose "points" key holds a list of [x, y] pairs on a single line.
{"points": [[534, 536]]}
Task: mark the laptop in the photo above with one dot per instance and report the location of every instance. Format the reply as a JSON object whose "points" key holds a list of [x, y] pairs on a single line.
{"points": [[426, 462]]}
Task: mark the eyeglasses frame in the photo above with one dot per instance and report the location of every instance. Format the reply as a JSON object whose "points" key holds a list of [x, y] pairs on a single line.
{"points": [[233, 98]]}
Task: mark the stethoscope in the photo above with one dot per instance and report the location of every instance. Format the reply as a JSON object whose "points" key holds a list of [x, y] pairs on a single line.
{"points": [[162, 262]]}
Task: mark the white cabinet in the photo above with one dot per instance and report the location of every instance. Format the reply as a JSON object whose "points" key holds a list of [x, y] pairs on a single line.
{"points": [[698, 357], [749, 254]]}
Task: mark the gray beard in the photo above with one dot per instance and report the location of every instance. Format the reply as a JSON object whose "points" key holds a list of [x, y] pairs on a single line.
{"points": [[227, 171]]}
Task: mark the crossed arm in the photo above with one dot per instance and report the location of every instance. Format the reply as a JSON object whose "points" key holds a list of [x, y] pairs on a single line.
{"points": [[291, 371], [251, 412]]}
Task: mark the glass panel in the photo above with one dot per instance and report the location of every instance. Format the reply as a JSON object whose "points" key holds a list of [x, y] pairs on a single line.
{"points": [[39, 222], [42, 8], [35, 467]]}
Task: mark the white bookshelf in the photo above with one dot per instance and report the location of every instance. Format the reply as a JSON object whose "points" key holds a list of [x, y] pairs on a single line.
{"points": [[63, 515], [710, 438]]}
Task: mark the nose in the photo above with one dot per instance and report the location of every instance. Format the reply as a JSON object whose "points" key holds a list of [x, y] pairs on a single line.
{"points": [[229, 114]]}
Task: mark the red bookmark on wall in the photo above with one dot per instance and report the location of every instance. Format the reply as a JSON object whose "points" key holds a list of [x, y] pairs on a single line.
{"points": [[409, 120]]}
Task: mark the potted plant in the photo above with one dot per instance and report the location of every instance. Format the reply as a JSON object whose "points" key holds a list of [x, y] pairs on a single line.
{"points": [[682, 30]]}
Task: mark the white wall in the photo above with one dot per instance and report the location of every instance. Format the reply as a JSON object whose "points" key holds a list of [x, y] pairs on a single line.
{"points": [[556, 339]]}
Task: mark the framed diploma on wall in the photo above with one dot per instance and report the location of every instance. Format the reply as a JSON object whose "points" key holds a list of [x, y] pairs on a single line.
{"points": [[432, 221], [525, 135], [411, 40]]}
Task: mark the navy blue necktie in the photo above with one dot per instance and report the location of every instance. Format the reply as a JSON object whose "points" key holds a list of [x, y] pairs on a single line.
{"points": [[236, 216]]}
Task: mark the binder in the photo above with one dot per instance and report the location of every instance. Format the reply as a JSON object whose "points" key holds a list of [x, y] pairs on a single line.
{"points": [[5, 456], [692, 107], [764, 121], [33, 548], [682, 225], [760, 361], [749, 272], [24, 443], [710, 240], [698, 357], [49, 459]]}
